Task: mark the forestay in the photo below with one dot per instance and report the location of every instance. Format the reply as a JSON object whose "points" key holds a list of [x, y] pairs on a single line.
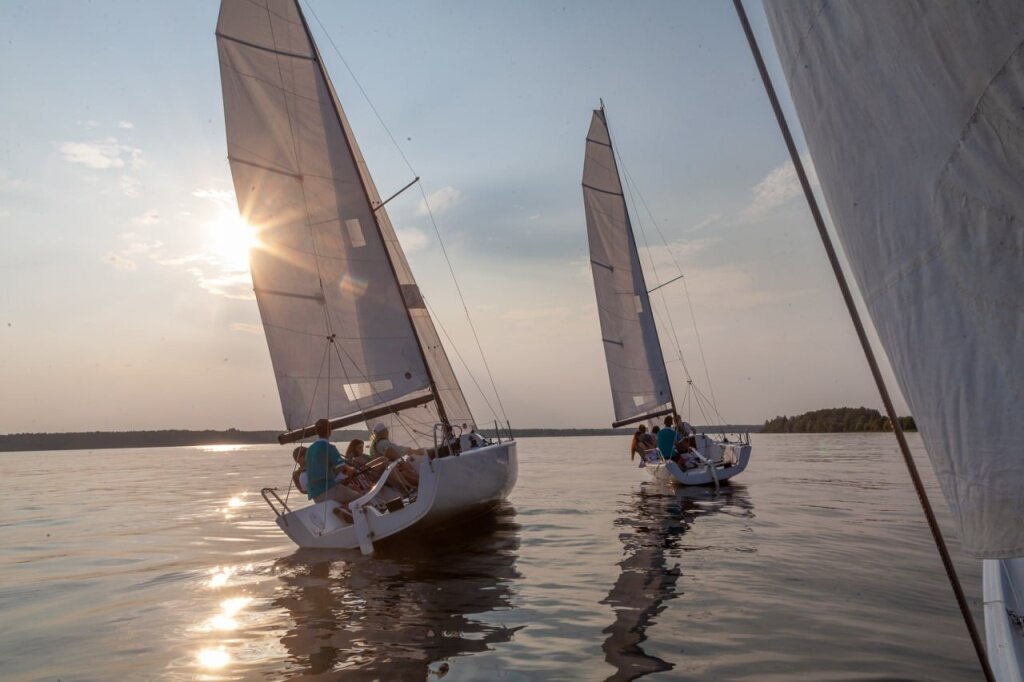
{"points": [[912, 113], [636, 367], [328, 261]]}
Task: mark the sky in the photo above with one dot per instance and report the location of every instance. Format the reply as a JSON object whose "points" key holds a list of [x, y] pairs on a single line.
{"points": [[125, 298]]}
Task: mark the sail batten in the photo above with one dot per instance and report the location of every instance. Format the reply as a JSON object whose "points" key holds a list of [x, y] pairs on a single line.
{"points": [[636, 366], [911, 112], [341, 312]]}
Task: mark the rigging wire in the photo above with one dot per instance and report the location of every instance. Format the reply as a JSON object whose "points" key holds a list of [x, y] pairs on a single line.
{"points": [[459, 356], [865, 343], [682, 277], [426, 204]]}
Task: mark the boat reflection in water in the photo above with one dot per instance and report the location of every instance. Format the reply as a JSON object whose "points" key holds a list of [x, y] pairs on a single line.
{"points": [[410, 605], [653, 522]]}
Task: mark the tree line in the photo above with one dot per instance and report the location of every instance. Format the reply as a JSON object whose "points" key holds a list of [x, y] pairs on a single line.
{"points": [[836, 420]]}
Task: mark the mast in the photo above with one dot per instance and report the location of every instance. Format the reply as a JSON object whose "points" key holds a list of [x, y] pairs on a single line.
{"points": [[376, 221], [632, 240]]}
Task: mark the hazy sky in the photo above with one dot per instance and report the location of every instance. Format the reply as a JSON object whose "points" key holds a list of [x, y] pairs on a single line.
{"points": [[126, 301]]}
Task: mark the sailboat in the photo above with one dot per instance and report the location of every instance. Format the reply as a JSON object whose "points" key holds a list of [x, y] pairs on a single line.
{"points": [[349, 333], [912, 114], [640, 386]]}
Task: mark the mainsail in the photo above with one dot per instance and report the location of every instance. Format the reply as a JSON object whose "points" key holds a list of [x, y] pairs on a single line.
{"points": [[636, 367], [923, 178], [348, 331]]}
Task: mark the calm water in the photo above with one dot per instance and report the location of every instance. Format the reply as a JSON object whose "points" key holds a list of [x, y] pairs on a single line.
{"points": [[165, 563]]}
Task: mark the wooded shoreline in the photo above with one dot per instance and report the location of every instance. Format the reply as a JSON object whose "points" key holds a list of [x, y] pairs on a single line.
{"points": [[168, 438]]}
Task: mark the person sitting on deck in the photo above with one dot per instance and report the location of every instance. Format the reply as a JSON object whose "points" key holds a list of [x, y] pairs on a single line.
{"points": [[370, 468], [667, 439], [635, 447], [380, 446], [300, 477], [322, 462], [687, 438]]}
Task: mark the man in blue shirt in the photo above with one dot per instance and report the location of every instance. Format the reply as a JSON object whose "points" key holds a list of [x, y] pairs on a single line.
{"points": [[666, 439], [322, 462]]}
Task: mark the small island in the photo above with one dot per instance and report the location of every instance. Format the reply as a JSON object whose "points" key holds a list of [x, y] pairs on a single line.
{"points": [[836, 420]]}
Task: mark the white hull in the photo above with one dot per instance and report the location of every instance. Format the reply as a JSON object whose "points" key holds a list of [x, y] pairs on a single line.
{"points": [[475, 480], [719, 470], [1003, 590]]}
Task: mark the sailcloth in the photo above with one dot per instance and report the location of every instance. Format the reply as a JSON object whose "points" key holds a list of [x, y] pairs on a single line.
{"points": [[913, 115], [636, 367], [328, 266]]}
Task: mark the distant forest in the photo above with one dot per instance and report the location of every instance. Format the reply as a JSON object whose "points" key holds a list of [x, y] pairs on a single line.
{"points": [[102, 440], [836, 420]]}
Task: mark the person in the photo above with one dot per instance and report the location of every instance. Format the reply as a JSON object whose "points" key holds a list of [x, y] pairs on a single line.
{"points": [[323, 462], [380, 446], [300, 477], [667, 439], [648, 449], [635, 448], [687, 437], [364, 469]]}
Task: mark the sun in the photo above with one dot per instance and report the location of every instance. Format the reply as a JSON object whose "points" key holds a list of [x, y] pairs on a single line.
{"points": [[229, 240]]}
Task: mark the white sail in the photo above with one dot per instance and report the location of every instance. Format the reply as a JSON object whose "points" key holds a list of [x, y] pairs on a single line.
{"points": [[913, 115], [636, 367], [328, 262]]}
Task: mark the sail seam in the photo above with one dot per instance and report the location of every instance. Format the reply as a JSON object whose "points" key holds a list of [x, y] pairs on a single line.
{"points": [[598, 189], [264, 48], [590, 139], [290, 294]]}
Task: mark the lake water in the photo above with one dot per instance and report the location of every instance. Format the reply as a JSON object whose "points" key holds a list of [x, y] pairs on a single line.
{"points": [[166, 564]]}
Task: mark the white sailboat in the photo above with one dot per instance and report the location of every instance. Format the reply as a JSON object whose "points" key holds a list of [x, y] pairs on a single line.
{"points": [[640, 386], [912, 114], [349, 334]]}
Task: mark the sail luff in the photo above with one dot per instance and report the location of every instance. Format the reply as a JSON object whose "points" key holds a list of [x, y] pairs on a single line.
{"points": [[636, 366]]}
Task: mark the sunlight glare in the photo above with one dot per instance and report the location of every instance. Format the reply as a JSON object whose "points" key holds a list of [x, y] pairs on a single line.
{"points": [[230, 240]]}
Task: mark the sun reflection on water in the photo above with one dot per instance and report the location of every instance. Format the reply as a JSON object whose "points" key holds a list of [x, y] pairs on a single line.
{"points": [[213, 658]]}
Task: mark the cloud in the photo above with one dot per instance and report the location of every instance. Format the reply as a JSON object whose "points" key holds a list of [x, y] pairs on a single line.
{"points": [[4, 213], [143, 247], [130, 186], [119, 262], [222, 197], [235, 285], [246, 328], [412, 239], [777, 188], [9, 184], [441, 201], [126, 125], [89, 124], [150, 217], [102, 154]]}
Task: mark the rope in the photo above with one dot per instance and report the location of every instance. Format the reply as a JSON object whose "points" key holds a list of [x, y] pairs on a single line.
{"points": [[851, 307]]}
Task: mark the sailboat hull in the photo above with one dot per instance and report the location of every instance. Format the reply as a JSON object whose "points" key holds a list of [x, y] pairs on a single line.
{"points": [[738, 453], [473, 482], [1003, 590]]}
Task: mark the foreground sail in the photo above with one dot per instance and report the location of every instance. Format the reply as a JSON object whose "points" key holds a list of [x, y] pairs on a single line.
{"points": [[349, 334], [636, 367], [912, 113]]}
